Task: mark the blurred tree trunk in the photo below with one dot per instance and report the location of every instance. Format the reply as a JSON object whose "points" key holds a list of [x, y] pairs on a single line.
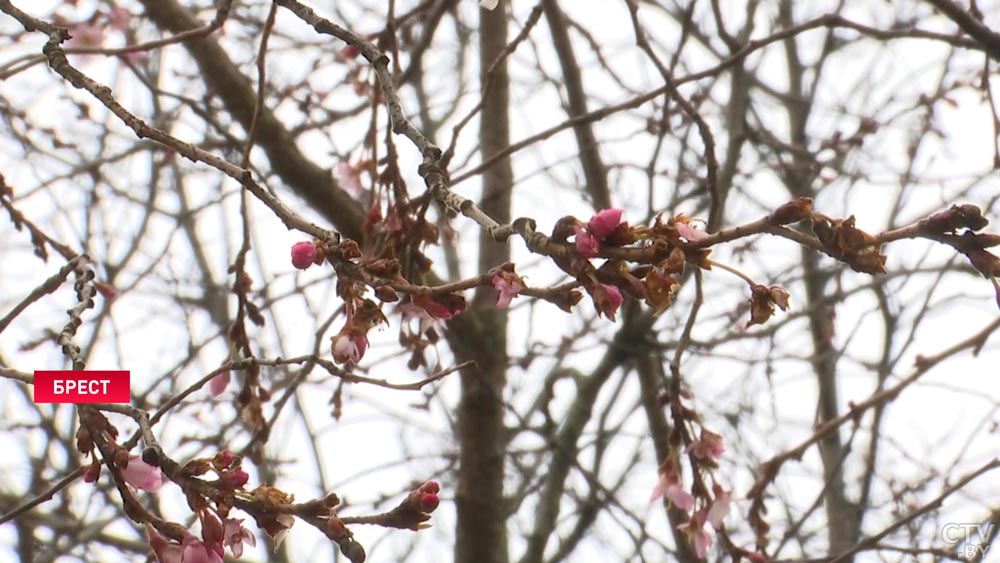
{"points": [[481, 535]]}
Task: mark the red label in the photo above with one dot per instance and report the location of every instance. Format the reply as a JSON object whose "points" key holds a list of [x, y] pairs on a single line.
{"points": [[91, 386]]}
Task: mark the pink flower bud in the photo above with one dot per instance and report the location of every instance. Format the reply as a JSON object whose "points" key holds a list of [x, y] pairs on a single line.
{"points": [[105, 289], [346, 54], [303, 254], [586, 244], [429, 502], [218, 384], [225, 458], [604, 223], [233, 479], [92, 472]]}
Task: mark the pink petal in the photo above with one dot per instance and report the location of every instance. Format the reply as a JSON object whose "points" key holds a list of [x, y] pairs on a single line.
{"points": [[218, 384], [689, 233], [141, 475]]}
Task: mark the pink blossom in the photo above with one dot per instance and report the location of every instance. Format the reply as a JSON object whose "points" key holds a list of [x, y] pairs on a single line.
{"points": [[672, 491], [720, 506], [211, 532], [141, 475], [303, 254], [349, 178], [604, 223], [349, 348], [586, 244], [710, 445], [236, 535], [439, 308], [508, 290], [86, 35], [165, 551], [197, 551], [700, 533], [119, 19], [690, 233], [218, 384]]}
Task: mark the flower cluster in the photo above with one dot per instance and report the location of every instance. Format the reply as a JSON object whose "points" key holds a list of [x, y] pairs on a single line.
{"points": [[130, 467], [93, 32], [704, 453], [216, 535], [601, 227]]}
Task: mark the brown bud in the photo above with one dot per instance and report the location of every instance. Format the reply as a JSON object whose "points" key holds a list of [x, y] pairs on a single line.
{"points": [[386, 294], [868, 262], [966, 216], [384, 267], [563, 228], [985, 262], [92, 472], [84, 441], [120, 458], [349, 249], [151, 456], [792, 212]]}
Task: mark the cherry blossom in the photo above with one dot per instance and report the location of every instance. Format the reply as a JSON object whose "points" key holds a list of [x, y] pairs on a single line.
{"points": [[710, 445], [119, 19], [690, 233], [197, 551], [164, 550], [141, 475], [509, 285], [86, 35], [348, 177], [348, 347], [720, 506], [235, 535], [700, 533], [669, 487]]}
